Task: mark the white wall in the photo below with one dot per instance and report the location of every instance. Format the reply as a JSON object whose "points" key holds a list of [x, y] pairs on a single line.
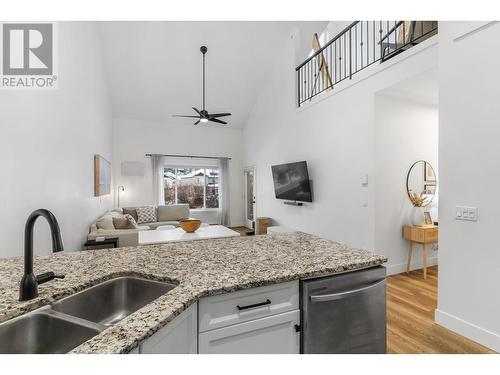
{"points": [[405, 131], [133, 139], [334, 135], [469, 155], [48, 139]]}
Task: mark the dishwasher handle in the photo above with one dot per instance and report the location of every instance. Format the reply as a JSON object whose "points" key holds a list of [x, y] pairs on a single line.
{"points": [[337, 296]]}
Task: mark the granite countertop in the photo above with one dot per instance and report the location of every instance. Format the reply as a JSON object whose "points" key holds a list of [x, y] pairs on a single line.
{"points": [[200, 268]]}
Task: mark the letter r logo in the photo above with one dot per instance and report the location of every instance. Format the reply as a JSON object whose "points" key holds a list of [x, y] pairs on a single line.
{"points": [[27, 49]]}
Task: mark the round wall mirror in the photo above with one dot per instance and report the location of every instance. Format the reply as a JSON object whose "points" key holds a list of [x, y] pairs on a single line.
{"points": [[421, 183]]}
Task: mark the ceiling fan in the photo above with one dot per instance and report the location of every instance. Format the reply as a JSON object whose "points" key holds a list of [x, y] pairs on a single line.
{"points": [[203, 115]]}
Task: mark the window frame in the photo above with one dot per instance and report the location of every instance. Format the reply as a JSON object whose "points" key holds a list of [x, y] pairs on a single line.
{"points": [[176, 167]]}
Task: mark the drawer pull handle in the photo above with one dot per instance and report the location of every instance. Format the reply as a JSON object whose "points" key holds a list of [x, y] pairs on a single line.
{"points": [[267, 302]]}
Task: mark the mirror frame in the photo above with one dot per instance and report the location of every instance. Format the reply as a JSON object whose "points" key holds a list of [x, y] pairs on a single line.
{"points": [[408, 180]]}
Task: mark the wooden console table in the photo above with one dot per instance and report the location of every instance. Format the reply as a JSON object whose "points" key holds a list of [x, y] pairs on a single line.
{"points": [[424, 235]]}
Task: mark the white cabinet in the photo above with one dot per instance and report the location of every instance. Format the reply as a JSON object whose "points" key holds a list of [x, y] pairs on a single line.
{"points": [[178, 337], [256, 320], [248, 304], [275, 334]]}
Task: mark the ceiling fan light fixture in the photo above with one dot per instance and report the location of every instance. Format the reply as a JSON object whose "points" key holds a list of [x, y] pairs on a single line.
{"points": [[203, 115]]}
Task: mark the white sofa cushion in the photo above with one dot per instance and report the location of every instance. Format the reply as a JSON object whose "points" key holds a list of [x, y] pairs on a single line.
{"points": [[146, 214], [174, 212]]}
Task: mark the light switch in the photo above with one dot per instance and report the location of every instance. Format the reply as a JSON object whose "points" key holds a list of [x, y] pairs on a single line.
{"points": [[364, 180], [466, 213]]}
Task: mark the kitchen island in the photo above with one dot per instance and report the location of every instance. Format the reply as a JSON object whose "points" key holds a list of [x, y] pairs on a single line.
{"points": [[198, 269]]}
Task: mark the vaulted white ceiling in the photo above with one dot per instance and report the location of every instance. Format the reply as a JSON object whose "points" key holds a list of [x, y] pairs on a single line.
{"points": [[154, 68]]}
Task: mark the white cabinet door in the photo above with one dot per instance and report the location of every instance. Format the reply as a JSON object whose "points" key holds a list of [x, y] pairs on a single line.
{"points": [[273, 334], [178, 337]]}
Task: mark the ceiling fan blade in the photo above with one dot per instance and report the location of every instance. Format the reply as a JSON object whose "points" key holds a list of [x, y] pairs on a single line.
{"points": [[218, 114], [197, 122], [197, 111], [185, 116], [217, 121]]}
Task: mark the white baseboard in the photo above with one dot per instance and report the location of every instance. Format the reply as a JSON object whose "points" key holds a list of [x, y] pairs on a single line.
{"points": [[393, 269], [471, 331]]}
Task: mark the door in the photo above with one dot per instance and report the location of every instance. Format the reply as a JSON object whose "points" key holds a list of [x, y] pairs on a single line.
{"points": [[276, 334], [250, 204]]}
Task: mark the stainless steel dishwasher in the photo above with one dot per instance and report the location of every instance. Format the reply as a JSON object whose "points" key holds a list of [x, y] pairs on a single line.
{"points": [[344, 313]]}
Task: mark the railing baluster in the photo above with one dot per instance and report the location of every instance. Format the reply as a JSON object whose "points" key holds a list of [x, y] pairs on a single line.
{"points": [[345, 57], [374, 43], [361, 45], [350, 55], [367, 44], [356, 48]]}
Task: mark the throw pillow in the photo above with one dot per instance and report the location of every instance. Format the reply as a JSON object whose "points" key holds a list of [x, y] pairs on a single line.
{"points": [[132, 221], [124, 222], [146, 214], [105, 222], [130, 211], [121, 223]]}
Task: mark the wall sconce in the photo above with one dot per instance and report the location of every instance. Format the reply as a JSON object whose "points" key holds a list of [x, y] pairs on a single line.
{"points": [[120, 189]]}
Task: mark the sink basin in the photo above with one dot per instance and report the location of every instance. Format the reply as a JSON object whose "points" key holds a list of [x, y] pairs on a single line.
{"points": [[39, 333], [109, 302], [75, 319]]}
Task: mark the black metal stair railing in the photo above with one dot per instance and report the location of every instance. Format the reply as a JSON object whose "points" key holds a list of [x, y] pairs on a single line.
{"points": [[358, 46]]}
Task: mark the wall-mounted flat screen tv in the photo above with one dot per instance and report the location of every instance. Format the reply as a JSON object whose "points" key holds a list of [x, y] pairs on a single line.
{"points": [[291, 182]]}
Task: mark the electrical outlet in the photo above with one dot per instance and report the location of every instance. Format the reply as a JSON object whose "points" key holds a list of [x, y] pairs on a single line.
{"points": [[466, 213]]}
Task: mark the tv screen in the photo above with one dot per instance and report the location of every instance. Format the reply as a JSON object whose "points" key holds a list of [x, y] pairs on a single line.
{"points": [[291, 182]]}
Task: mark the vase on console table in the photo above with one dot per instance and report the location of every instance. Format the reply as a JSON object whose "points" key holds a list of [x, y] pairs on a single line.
{"points": [[417, 215]]}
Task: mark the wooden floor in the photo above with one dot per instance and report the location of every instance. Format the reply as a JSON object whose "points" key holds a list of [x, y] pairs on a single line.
{"points": [[411, 301], [241, 230]]}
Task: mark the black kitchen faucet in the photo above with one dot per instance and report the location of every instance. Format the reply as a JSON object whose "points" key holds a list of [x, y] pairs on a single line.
{"points": [[29, 283]]}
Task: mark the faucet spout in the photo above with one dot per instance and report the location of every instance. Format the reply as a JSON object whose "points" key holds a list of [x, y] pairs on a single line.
{"points": [[29, 284]]}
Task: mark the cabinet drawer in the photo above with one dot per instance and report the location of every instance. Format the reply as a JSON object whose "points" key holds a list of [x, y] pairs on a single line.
{"points": [[431, 235], [244, 305], [271, 335], [418, 235]]}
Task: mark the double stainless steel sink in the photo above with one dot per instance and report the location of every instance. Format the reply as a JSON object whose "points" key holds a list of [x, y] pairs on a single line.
{"points": [[67, 323]]}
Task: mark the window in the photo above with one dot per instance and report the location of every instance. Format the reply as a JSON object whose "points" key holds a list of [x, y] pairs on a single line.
{"points": [[196, 186]]}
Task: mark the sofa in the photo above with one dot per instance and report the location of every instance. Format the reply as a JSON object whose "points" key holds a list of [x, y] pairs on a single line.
{"points": [[104, 226]]}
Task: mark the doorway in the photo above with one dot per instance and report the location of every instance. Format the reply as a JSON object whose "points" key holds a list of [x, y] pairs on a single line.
{"points": [[250, 202]]}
